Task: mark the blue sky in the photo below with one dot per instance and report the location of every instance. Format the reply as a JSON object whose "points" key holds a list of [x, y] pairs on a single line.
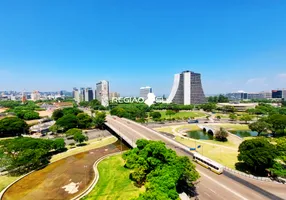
{"points": [[58, 44]]}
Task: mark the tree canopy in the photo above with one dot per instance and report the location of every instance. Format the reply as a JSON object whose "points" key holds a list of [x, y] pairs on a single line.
{"points": [[99, 119], [160, 169], [12, 126], [25, 154], [258, 154], [221, 134], [259, 126]]}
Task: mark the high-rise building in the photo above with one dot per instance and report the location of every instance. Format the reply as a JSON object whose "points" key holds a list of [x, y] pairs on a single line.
{"points": [[73, 91], [76, 95], [187, 89], [144, 91], [88, 94], [113, 94], [277, 94], [102, 92], [82, 94], [35, 95]]}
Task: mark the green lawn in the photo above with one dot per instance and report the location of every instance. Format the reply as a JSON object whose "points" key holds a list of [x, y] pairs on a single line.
{"points": [[233, 127], [6, 180], [114, 182], [220, 154], [194, 114]]}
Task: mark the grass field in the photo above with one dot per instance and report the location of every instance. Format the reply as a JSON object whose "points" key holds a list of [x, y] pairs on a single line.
{"points": [[233, 127], [183, 114], [226, 155], [114, 182], [6, 180], [92, 144]]}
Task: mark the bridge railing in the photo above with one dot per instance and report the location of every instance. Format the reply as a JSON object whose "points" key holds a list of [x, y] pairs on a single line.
{"points": [[131, 142]]}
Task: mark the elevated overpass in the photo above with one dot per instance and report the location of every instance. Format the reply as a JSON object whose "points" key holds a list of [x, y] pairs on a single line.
{"points": [[211, 186]]}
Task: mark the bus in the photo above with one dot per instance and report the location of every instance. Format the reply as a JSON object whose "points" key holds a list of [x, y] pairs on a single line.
{"points": [[208, 163]]}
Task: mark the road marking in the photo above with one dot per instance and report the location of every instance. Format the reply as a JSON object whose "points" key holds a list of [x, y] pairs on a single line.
{"points": [[207, 194], [218, 183]]}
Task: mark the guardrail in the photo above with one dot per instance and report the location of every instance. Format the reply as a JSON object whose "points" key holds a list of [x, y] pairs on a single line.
{"points": [[248, 175]]}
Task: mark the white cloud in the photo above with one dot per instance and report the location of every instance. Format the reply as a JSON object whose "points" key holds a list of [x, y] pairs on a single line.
{"points": [[256, 81]]}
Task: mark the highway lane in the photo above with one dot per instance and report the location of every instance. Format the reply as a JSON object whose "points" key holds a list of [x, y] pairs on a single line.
{"points": [[211, 186]]}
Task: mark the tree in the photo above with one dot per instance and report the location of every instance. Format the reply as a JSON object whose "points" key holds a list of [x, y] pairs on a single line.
{"points": [[228, 109], [221, 134], [80, 138], [156, 116], [73, 111], [67, 122], [54, 128], [218, 117], [29, 115], [57, 114], [160, 169], [73, 131], [258, 154], [208, 107], [84, 120], [99, 119], [170, 113], [278, 122], [84, 103], [12, 126], [232, 116], [24, 154], [259, 127], [246, 118]]}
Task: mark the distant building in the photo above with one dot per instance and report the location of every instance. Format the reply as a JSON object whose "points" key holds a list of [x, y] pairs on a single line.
{"points": [[239, 95], [35, 95], [75, 95], [144, 91], [88, 94], [113, 94], [277, 94], [266, 94], [254, 95], [82, 94], [187, 89], [102, 92]]}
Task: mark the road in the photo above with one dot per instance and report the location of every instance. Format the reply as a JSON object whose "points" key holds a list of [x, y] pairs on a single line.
{"points": [[211, 186]]}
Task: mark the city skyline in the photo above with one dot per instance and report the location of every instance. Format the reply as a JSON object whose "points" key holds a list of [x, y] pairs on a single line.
{"points": [[238, 46]]}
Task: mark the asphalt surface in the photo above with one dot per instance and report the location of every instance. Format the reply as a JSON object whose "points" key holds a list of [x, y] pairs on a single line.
{"points": [[210, 186]]}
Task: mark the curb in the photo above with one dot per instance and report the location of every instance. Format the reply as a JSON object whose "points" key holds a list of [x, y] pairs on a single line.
{"points": [[96, 177], [7, 187]]}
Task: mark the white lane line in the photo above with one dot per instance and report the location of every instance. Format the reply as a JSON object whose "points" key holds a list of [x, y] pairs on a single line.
{"points": [[143, 136], [225, 187], [207, 194]]}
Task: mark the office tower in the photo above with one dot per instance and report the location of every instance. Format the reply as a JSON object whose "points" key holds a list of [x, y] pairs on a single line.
{"points": [[82, 94], [76, 95], [277, 94], [187, 89], [35, 95], [88, 94], [113, 94], [102, 92], [144, 91]]}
